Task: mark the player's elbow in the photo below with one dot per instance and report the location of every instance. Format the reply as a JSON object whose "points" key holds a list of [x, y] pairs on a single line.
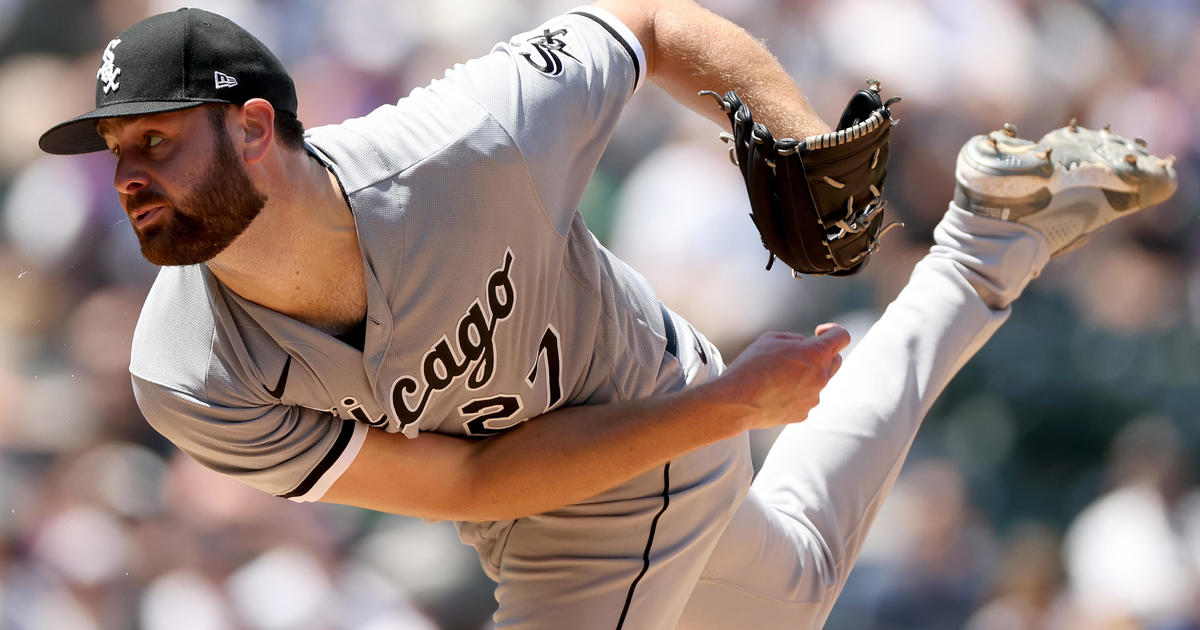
{"points": [[491, 493]]}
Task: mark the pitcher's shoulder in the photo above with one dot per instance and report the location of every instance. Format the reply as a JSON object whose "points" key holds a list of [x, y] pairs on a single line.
{"points": [[173, 340]]}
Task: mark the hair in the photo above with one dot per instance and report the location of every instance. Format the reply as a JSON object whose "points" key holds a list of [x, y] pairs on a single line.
{"points": [[289, 131]]}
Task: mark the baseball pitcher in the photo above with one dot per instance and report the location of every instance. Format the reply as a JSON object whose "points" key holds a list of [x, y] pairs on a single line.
{"points": [[406, 312]]}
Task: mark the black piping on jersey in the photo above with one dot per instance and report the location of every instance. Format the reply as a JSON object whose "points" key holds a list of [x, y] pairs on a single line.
{"points": [[669, 325], [339, 445], [666, 496], [637, 70]]}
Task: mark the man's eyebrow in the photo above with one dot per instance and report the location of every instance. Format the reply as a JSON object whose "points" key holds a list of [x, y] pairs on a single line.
{"points": [[103, 125]]}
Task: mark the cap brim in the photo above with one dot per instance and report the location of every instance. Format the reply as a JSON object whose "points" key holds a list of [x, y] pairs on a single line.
{"points": [[79, 134]]}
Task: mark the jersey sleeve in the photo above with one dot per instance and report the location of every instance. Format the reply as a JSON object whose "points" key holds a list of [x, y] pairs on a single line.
{"points": [[292, 452], [558, 91]]}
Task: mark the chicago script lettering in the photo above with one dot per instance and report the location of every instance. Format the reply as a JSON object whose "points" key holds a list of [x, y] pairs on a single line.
{"points": [[357, 412], [452, 356]]}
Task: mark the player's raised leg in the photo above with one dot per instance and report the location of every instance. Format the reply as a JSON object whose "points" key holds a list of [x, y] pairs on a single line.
{"points": [[1018, 204]]}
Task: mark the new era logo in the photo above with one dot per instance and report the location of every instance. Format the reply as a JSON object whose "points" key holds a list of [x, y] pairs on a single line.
{"points": [[223, 80]]}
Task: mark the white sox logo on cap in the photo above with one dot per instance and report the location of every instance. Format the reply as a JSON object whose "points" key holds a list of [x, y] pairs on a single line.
{"points": [[108, 72]]}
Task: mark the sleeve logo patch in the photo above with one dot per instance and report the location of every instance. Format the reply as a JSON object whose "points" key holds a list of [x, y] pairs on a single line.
{"points": [[548, 47]]}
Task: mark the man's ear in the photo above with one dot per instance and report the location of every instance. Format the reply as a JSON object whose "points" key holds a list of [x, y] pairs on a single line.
{"points": [[257, 129]]}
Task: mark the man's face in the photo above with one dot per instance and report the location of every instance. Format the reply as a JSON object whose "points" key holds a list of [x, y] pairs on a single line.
{"points": [[182, 183]]}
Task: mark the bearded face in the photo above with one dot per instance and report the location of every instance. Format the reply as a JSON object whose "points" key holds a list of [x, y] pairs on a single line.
{"points": [[208, 215]]}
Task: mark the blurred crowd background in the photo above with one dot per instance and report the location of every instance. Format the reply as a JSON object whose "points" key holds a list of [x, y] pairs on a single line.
{"points": [[1053, 486]]}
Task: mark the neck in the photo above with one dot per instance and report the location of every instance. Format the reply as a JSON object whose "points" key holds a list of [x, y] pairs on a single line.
{"points": [[300, 256]]}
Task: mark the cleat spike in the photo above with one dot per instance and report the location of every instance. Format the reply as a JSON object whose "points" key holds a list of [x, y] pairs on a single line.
{"points": [[1074, 125], [994, 143], [1141, 142], [1131, 158], [1010, 130], [1108, 127]]}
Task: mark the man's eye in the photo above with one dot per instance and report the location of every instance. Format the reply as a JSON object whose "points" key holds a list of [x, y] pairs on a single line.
{"points": [[153, 141]]}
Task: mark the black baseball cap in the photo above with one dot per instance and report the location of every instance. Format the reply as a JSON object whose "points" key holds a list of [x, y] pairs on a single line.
{"points": [[173, 61]]}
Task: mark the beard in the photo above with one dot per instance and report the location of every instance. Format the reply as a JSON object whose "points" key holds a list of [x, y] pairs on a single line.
{"points": [[216, 210]]}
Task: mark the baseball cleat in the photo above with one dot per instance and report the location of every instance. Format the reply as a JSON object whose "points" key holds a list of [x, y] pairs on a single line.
{"points": [[1067, 185]]}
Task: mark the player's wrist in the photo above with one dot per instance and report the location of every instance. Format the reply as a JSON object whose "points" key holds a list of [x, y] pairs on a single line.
{"points": [[719, 407]]}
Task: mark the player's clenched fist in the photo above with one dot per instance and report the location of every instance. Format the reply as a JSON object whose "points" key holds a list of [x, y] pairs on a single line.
{"points": [[778, 378]]}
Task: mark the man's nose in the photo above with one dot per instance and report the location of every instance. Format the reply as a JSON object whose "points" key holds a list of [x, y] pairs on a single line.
{"points": [[129, 177]]}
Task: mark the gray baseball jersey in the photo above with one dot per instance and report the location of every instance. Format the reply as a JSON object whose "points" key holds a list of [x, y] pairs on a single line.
{"points": [[489, 301]]}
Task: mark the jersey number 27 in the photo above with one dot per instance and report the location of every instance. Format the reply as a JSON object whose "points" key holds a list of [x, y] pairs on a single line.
{"points": [[496, 414]]}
